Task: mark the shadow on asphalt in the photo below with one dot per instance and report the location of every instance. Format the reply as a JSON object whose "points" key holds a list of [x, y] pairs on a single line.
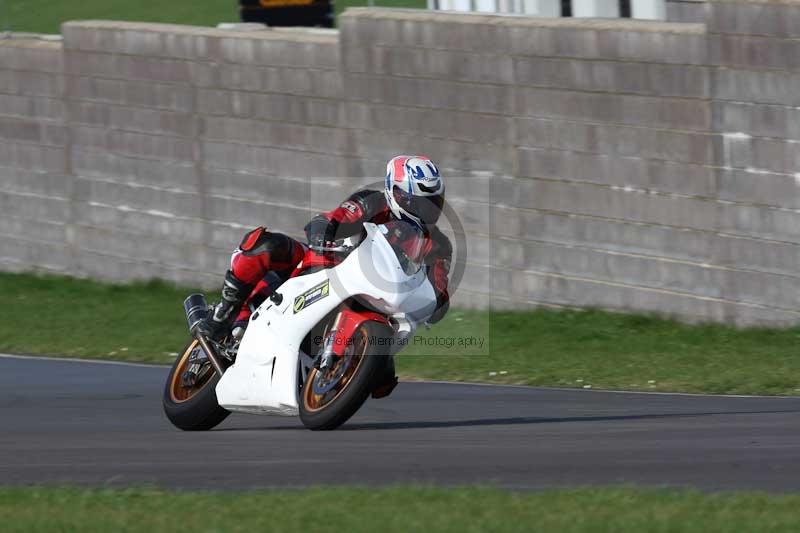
{"points": [[511, 421]]}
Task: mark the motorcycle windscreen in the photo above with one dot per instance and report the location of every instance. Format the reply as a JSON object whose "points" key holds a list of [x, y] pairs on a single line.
{"points": [[408, 243]]}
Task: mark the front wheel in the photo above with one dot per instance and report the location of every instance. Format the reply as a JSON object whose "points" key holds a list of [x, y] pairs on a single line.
{"points": [[329, 398], [190, 399]]}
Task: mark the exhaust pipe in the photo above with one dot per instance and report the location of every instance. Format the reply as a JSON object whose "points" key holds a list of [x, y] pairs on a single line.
{"points": [[196, 309]]}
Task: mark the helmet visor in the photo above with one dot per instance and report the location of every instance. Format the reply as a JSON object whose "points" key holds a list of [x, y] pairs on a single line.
{"points": [[426, 208]]}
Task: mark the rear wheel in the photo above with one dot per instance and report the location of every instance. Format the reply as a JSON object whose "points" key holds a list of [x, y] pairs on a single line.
{"points": [[329, 398], [190, 401]]}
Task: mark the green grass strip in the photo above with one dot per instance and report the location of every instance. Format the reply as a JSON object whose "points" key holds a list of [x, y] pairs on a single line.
{"points": [[403, 509], [49, 315], [46, 16]]}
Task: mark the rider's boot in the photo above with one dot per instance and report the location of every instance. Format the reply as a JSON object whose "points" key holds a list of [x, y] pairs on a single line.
{"points": [[387, 382], [234, 294]]}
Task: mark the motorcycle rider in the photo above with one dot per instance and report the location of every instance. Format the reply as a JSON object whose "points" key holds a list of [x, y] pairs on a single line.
{"points": [[413, 192]]}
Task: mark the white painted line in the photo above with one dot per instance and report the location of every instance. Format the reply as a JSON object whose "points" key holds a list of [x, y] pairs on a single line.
{"points": [[79, 360]]}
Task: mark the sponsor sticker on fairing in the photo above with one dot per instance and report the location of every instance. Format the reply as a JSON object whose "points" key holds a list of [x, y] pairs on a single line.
{"points": [[314, 294]]}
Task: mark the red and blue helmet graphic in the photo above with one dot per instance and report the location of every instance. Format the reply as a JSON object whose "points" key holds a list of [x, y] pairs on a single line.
{"points": [[414, 189]]}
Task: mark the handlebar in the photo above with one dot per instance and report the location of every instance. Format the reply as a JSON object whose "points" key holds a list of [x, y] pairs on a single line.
{"points": [[336, 249], [337, 246]]}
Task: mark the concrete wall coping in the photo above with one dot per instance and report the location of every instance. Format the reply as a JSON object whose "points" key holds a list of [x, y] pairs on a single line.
{"points": [[314, 35], [526, 21], [32, 40]]}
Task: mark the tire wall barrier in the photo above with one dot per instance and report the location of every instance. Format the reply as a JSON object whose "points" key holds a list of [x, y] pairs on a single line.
{"points": [[621, 164]]}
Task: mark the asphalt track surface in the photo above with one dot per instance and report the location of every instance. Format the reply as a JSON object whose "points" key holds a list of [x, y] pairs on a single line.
{"points": [[102, 425]]}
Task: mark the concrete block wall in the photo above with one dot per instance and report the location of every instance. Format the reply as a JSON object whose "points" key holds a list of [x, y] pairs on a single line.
{"points": [[621, 164], [35, 185], [755, 56], [184, 138], [755, 73], [596, 141]]}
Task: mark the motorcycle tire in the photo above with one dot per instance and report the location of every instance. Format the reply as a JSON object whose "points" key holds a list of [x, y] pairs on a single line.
{"points": [[369, 359], [192, 408]]}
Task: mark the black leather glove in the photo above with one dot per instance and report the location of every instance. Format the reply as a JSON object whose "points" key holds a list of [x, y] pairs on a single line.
{"points": [[319, 232]]}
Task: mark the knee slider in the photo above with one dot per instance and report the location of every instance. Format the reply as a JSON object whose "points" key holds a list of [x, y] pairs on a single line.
{"points": [[253, 239]]}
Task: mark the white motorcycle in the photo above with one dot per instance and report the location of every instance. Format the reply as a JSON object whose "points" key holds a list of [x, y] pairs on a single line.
{"points": [[318, 346]]}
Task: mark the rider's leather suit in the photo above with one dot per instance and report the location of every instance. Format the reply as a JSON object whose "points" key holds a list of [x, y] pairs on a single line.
{"points": [[265, 259]]}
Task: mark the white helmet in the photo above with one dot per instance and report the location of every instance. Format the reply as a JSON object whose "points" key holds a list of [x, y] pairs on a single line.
{"points": [[414, 190]]}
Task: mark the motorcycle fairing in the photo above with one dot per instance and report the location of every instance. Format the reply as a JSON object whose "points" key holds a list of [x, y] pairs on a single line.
{"points": [[264, 378]]}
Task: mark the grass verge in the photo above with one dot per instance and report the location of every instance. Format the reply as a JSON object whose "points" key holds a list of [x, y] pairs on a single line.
{"points": [[46, 16], [396, 509], [49, 315]]}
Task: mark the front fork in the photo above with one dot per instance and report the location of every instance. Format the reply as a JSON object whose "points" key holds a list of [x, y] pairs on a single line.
{"points": [[328, 356], [341, 334], [211, 353]]}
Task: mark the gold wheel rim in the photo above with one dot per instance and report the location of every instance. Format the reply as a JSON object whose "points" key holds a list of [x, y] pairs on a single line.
{"points": [[177, 392], [311, 400]]}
